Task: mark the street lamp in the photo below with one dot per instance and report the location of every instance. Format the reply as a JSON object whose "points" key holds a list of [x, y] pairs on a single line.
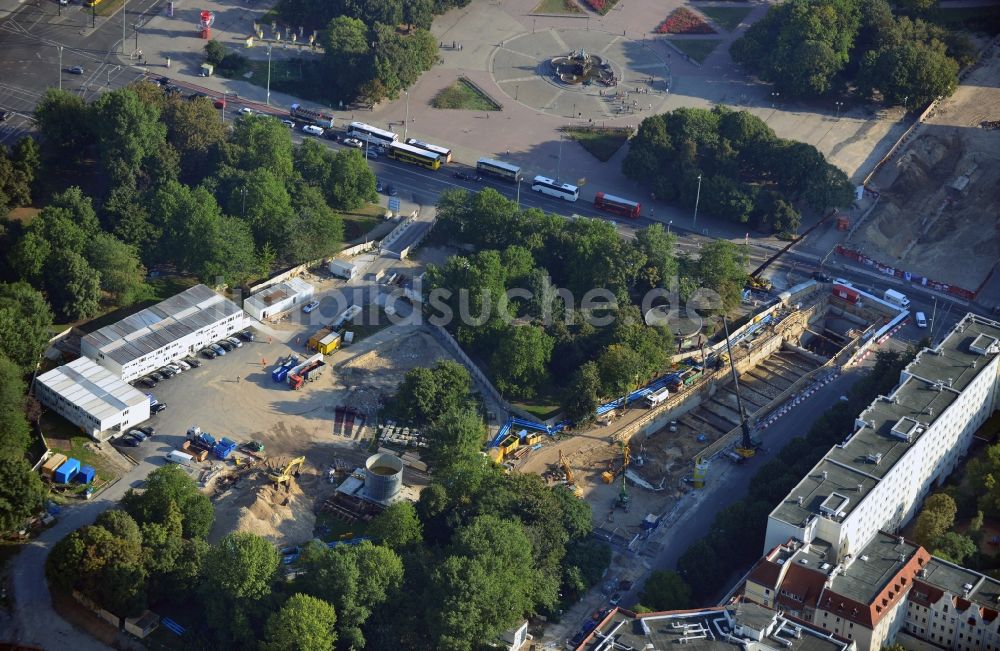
{"points": [[124, 32], [774, 98], [60, 67], [697, 198], [516, 88], [839, 104], [406, 121], [268, 101], [519, 194], [669, 224], [559, 161]]}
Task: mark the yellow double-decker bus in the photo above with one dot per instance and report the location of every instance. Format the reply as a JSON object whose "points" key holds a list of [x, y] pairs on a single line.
{"points": [[415, 155]]}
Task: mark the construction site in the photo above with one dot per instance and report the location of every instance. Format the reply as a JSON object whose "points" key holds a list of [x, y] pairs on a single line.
{"points": [[642, 456], [938, 210]]}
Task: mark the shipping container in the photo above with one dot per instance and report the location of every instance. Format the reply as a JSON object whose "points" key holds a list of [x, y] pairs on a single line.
{"points": [[65, 473], [318, 336], [178, 457], [49, 467], [846, 293], [86, 475], [329, 343]]}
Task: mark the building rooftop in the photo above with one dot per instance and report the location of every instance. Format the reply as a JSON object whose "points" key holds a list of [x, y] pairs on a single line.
{"points": [[157, 326], [92, 388], [892, 424], [277, 293], [878, 564], [737, 626]]}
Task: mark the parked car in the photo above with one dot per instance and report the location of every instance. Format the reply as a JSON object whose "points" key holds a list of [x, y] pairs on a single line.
{"points": [[378, 186], [312, 129], [288, 123], [158, 407], [247, 335], [391, 191], [129, 441], [184, 365], [333, 135], [310, 306], [353, 142], [148, 430], [247, 111], [371, 154], [841, 281], [236, 341], [75, 70], [821, 277], [225, 345], [219, 103], [167, 372], [6, 115], [175, 368], [219, 350], [148, 382], [136, 434], [156, 375], [209, 353], [467, 176], [192, 362]]}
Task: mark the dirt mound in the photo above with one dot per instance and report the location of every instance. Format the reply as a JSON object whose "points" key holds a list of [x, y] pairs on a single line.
{"points": [[283, 516]]}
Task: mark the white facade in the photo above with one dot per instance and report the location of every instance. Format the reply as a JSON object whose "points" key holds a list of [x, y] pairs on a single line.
{"points": [[169, 330], [343, 269], [92, 398], [902, 445], [278, 299]]}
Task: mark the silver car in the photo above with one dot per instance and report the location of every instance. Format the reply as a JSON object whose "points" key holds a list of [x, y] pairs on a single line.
{"points": [[235, 341]]}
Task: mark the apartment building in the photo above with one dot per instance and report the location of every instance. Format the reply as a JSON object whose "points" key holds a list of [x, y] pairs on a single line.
{"points": [[901, 446], [179, 326]]}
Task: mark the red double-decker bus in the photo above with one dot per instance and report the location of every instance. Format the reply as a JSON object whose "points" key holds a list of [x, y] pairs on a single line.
{"points": [[617, 205]]}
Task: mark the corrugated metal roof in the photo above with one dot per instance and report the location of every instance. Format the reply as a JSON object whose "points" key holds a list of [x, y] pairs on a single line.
{"points": [[92, 388], [161, 324], [277, 293]]}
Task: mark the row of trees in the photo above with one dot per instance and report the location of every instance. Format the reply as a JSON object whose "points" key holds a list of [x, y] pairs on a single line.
{"points": [[520, 303], [177, 189], [708, 565], [733, 164], [811, 48]]}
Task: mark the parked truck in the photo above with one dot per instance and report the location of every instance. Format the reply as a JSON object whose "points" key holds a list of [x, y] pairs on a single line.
{"points": [[656, 397], [309, 372], [898, 299], [197, 452]]}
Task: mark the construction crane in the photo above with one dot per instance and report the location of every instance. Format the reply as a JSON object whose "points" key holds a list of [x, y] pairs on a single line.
{"points": [[290, 470], [755, 281], [746, 448], [623, 496]]}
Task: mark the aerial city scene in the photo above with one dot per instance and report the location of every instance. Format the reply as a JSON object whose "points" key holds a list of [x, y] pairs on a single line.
{"points": [[524, 325]]}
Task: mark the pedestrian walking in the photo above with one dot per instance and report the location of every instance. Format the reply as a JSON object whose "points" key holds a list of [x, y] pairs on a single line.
{"points": [[237, 379], [453, 45], [268, 341]]}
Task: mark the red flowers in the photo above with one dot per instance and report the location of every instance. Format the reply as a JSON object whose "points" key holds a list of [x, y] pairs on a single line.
{"points": [[681, 21], [600, 6]]}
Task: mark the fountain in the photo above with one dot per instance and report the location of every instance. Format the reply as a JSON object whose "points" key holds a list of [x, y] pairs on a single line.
{"points": [[582, 68]]}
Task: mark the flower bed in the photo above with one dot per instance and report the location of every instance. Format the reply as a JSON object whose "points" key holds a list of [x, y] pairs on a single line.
{"points": [[601, 6], [682, 21]]}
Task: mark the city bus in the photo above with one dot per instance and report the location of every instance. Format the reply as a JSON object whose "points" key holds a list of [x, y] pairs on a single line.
{"points": [[553, 188], [617, 205], [311, 116], [443, 152], [415, 155], [371, 135], [501, 170]]}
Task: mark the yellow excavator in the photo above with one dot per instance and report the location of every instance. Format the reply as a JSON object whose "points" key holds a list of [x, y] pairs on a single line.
{"points": [[746, 447], [290, 471], [566, 469]]}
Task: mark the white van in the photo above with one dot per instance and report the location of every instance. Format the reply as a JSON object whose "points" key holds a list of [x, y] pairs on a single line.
{"points": [[921, 320], [178, 457], [898, 299]]}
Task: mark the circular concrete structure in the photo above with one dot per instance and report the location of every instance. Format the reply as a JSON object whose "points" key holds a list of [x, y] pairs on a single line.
{"points": [[383, 477]]}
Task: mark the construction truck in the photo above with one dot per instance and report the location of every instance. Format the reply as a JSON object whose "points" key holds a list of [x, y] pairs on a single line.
{"points": [[310, 371], [746, 447], [567, 471], [290, 470]]}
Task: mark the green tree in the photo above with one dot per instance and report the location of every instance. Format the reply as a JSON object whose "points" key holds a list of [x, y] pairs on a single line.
{"points": [[121, 525], [954, 547], [128, 133], [24, 321], [666, 590], [658, 247], [317, 231], [304, 623], [64, 123], [398, 526], [121, 273], [242, 566], [21, 492], [584, 394], [418, 13], [215, 52], [262, 145], [936, 517], [15, 436], [169, 486], [350, 182], [263, 202], [194, 130], [347, 61], [427, 393], [74, 287], [520, 364], [620, 369], [910, 74], [721, 268], [454, 436]]}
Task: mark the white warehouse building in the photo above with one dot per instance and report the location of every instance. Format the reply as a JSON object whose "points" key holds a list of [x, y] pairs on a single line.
{"points": [[169, 330], [902, 444], [92, 398], [278, 299]]}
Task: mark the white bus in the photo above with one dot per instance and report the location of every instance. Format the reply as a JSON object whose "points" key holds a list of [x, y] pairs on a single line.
{"points": [[373, 135], [499, 169], [443, 152], [553, 188]]}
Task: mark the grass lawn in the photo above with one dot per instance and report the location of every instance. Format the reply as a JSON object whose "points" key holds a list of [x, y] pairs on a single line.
{"points": [[557, 7], [541, 411], [602, 143], [357, 225], [728, 18], [462, 95], [66, 439], [696, 48]]}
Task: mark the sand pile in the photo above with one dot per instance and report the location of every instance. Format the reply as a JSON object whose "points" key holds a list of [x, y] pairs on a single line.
{"points": [[282, 516]]}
